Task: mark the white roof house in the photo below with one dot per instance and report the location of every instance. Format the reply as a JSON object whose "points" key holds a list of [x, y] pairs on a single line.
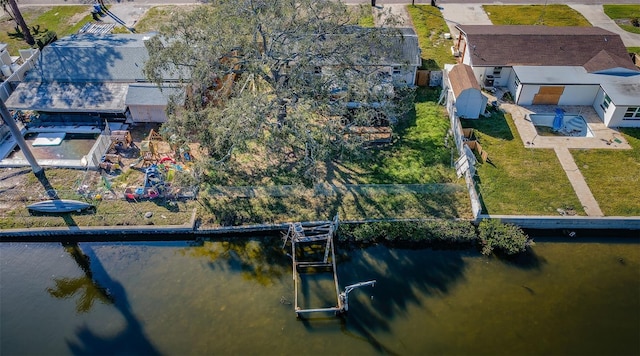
{"points": [[556, 66]]}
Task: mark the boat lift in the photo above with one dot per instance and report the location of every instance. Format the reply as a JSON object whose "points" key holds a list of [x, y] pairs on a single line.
{"points": [[301, 237]]}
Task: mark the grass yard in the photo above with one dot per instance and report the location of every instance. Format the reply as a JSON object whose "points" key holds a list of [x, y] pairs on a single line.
{"points": [[519, 180], [614, 176], [430, 28], [548, 15], [624, 16], [419, 156], [354, 204], [63, 20], [157, 15]]}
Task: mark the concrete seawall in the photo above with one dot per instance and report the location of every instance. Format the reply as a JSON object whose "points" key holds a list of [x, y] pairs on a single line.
{"points": [[191, 230]]}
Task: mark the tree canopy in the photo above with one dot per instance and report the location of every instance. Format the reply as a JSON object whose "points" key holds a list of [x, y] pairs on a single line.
{"points": [[272, 79]]}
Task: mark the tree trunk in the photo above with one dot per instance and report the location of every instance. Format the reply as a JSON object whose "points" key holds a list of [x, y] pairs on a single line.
{"points": [[20, 20], [17, 135]]}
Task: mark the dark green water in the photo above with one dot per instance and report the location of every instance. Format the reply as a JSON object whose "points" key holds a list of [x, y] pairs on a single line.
{"points": [[221, 298]]}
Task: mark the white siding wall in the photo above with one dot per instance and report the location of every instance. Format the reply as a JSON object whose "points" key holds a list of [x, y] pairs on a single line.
{"points": [[572, 95], [615, 116], [148, 113], [579, 94]]}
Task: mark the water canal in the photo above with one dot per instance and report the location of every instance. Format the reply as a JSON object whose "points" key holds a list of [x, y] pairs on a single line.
{"points": [[233, 298]]}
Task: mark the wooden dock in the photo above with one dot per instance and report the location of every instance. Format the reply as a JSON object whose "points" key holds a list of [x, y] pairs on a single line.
{"points": [[312, 249]]}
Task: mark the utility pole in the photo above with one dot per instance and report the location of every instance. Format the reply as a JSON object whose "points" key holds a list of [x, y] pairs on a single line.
{"points": [[17, 135]]}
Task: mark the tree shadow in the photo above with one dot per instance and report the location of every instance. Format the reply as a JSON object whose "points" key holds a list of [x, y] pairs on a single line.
{"points": [[495, 126], [402, 279], [527, 260], [97, 285]]}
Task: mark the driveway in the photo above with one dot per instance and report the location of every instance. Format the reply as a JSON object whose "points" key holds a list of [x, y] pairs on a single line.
{"points": [[473, 14]]}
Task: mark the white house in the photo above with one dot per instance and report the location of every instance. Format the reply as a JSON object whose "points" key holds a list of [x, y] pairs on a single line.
{"points": [[468, 100], [556, 66]]}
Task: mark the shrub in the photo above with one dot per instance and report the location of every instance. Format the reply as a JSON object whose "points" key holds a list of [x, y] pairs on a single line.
{"points": [[409, 233], [506, 238]]}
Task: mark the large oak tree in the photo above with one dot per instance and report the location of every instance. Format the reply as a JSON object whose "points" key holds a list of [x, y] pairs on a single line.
{"points": [[273, 78]]}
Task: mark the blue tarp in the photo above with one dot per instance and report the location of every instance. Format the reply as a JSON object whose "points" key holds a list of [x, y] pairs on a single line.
{"points": [[558, 119]]}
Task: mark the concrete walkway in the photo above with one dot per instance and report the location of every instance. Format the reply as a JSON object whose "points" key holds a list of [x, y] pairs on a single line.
{"points": [[589, 203]]}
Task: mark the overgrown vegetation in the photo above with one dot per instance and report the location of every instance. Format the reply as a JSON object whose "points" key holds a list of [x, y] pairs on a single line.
{"points": [[502, 238], [519, 180], [547, 15], [626, 16], [430, 28], [612, 175], [491, 235]]}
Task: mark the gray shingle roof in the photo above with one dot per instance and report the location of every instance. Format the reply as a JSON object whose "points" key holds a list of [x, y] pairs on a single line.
{"points": [[63, 97], [92, 58], [490, 45]]}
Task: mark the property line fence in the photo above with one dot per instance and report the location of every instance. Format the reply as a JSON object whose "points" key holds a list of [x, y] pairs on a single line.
{"points": [[466, 160]]}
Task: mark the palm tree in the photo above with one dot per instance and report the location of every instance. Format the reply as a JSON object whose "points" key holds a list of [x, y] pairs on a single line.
{"points": [[11, 8]]}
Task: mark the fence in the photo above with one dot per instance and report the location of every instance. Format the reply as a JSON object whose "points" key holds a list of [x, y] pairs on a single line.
{"points": [[466, 161], [8, 86]]}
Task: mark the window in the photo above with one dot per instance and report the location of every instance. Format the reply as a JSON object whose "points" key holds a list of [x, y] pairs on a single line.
{"points": [[517, 82], [497, 71], [396, 70], [632, 113], [605, 102]]}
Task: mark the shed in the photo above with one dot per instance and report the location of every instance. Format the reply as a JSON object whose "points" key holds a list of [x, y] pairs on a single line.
{"points": [[469, 101], [147, 102]]}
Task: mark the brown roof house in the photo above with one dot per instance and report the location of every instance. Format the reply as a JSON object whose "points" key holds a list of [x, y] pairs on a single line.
{"points": [[556, 66]]}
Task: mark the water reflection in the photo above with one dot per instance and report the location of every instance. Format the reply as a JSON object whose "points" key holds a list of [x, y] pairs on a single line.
{"points": [[226, 297], [97, 285], [86, 286], [262, 261]]}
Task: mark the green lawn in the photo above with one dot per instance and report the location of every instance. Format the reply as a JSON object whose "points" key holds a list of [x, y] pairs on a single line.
{"points": [[430, 28], [63, 20], [614, 176], [419, 155], [623, 16], [548, 15], [519, 180]]}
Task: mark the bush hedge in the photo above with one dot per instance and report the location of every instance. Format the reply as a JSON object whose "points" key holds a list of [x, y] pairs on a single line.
{"points": [[505, 238], [409, 233], [491, 235]]}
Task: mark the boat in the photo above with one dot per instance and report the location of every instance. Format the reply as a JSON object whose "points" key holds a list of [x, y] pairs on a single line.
{"points": [[59, 206]]}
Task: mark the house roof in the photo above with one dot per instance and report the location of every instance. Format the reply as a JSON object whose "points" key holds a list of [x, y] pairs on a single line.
{"points": [[63, 97], [150, 94], [461, 77], [91, 57], [400, 47], [512, 45]]}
